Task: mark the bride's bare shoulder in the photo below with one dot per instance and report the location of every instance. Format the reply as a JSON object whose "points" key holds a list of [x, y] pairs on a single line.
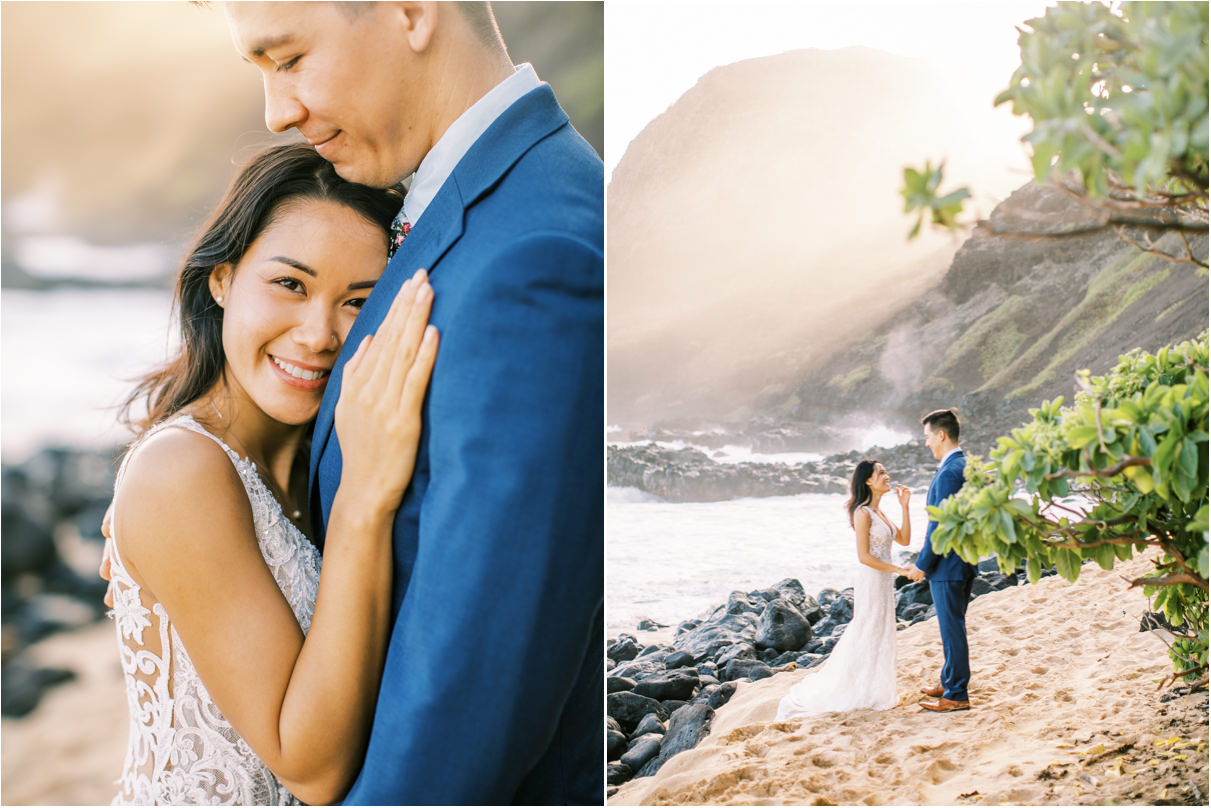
{"points": [[175, 482]]}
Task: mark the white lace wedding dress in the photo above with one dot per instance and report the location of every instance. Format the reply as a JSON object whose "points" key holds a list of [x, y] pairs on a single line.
{"points": [[181, 749], [861, 670]]}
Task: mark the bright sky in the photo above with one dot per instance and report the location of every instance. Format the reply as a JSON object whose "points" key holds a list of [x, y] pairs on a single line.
{"points": [[657, 49]]}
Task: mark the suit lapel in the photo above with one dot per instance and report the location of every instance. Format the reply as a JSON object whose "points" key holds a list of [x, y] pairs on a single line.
{"points": [[531, 118]]}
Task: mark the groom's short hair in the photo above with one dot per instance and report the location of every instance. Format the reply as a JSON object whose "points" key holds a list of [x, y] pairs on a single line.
{"points": [[946, 420]]}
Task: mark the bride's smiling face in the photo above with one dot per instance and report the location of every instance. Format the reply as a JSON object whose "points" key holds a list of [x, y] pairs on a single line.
{"points": [[290, 301], [880, 480]]}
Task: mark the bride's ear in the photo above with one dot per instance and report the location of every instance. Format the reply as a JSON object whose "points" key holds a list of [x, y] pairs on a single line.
{"points": [[220, 279]]}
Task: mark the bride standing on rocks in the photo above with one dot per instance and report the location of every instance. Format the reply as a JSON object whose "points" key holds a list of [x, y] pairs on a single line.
{"points": [[861, 670]]}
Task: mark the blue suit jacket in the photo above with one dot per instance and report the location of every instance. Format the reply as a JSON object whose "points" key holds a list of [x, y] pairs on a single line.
{"points": [[492, 690], [946, 482]]}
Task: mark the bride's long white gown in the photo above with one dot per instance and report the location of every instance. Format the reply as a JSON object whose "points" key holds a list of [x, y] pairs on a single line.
{"points": [[861, 670], [182, 750]]}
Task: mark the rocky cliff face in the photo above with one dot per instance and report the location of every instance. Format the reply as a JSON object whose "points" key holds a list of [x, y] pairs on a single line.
{"points": [[1043, 288]]}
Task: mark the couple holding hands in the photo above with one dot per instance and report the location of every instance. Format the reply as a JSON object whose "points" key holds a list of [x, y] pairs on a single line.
{"points": [[861, 670]]}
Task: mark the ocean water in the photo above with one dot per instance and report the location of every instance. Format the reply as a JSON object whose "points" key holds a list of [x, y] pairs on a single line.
{"points": [[68, 358], [674, 561]]}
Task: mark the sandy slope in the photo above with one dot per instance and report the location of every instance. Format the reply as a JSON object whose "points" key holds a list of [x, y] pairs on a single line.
{"points": [[1066, 710], [69, 750]]}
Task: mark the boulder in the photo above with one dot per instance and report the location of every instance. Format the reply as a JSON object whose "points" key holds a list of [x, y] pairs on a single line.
{"points": [[615, 684], [678, 659], [638, 668], [687, 727], [721, 695], [628, 709], [782, 627], [650, 724], [624, 649], [753, 669], [616, 744], [618, 773], [713, 635], [641, 750], [741, 650], [671, 685]]}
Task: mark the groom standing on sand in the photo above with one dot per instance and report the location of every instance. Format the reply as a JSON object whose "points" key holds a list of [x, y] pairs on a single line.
{"points": [[492, 691], [950, 577]]}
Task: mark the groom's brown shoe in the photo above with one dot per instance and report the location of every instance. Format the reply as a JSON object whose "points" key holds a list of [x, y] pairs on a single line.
{"points": [[935, 692], [945, 705]]}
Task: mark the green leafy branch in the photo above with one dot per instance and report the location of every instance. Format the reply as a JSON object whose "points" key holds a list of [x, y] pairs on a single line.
{"points": [[1122, 470]]}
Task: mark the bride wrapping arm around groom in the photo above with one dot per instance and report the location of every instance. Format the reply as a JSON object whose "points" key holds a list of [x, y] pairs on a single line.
{"points": [[250, 677]]}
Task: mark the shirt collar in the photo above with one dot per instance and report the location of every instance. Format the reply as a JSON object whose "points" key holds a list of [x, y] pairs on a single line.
{"points": [[438, 164], [946, 456]]}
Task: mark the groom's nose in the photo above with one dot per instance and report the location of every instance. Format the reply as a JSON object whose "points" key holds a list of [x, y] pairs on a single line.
{"points": [[283, 110]]}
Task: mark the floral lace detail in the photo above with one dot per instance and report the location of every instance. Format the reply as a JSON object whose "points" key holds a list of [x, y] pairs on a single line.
{"points": [[181, 749], [860, 673]]}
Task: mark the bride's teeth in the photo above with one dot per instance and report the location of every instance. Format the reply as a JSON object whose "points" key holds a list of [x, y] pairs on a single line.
{"points": [[299, 373]]}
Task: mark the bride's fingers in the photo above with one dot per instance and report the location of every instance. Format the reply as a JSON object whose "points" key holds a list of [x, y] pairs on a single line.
{"points": [[392, 333], [385, 336], [417, 379], [410, 340]]}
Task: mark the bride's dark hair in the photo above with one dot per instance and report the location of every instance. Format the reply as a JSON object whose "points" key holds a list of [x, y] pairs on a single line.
{"points": [[269, 182], [859, 491]]}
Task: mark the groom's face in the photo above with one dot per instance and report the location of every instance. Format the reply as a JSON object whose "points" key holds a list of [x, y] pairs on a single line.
{"points": [[933, 440], [345, 78]]}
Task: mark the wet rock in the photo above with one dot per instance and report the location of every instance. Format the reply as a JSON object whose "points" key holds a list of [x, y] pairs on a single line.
{"points": [[678, 659], [618, 773], [650, 724], [716, 634], [624, 649], [615, 684], [638, 669], [672, 685], [687, 625], [687, 727], [721, 695], [628, 709], [782, 627], [753, 669], [616, 744], [641, 750], [648, 624], [741, 650], [24, 687]]}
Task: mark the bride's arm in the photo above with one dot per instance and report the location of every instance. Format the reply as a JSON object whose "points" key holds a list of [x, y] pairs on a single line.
{"points": [[185, 528], [862, 530], [904, 532]]}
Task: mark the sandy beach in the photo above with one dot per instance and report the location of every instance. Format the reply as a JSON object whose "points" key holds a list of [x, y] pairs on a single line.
{"points": [[1066, 710], [69, 750]]}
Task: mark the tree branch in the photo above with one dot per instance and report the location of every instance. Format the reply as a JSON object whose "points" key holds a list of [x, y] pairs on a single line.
{"points": [[1109, 471], [1190, 259], [1172, 580]]}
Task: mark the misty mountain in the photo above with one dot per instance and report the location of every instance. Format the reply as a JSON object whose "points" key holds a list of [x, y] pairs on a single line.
{"points": [[757, 223], [760, 279]]}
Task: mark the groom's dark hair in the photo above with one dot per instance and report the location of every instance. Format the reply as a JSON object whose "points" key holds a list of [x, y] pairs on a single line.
{"points": [[946, 420]]}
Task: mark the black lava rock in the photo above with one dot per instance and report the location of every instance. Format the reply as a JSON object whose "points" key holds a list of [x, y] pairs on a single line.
{"points": [[782, 627], [672, 685], [746, 668], [628, 709], [678, 659], [624, 649], [616, 684]]}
